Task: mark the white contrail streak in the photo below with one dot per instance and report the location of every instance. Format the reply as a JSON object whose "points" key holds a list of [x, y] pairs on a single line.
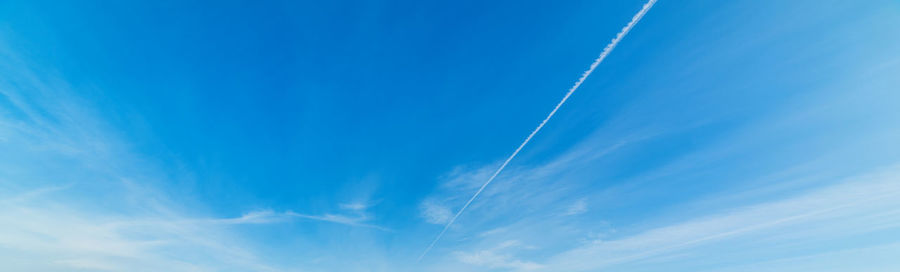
{"points": [[609, 48]]}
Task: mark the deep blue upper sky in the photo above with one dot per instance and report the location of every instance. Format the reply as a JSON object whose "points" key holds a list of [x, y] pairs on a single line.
{"points": [[343, 135]]}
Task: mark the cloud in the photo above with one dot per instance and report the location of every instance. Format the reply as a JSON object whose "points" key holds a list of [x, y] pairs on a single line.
{"points": [[608, 49], [356, 221], [435, 213], [493, 231], [64, 236], [46, 234], [861, 205], [810, 222], [36, 193], [578, 207], [498, 257], [80, 198], [91, 264], [491, 259], [257, 217], [357, 217], [356, 206]]}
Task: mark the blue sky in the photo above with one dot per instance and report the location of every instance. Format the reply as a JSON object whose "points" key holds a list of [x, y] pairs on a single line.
{"points": [[345, 135]]}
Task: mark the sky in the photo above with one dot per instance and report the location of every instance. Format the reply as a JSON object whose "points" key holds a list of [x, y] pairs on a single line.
{"points": [[746, 135]]}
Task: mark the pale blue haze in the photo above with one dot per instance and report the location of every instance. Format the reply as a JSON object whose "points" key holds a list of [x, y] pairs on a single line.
{"points": [[344, 135]]}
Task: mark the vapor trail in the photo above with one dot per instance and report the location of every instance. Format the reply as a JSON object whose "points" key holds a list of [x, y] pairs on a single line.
{"points": [[609, 48]]}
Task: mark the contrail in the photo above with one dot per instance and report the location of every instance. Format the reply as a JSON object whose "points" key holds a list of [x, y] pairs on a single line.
{"points": [[609, 48]]}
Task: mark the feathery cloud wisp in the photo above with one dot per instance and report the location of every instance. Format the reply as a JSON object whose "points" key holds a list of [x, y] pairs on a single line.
{"points": [[859, 205], [578, 207], [435, 213]]}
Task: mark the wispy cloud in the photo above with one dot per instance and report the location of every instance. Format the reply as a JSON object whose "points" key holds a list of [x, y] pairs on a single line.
{"points": [[860, 205], [800, 224], [355, 206], [435, 213], [35, 193], [498, 257], [269, 217], [578, 207], [608, 49], [45, 234], [491, 259], [358, 217], [58, 221], [357, 221], [797, 207]]}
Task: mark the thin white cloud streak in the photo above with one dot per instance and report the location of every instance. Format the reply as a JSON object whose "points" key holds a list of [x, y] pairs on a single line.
{"points": [[359, 221], [265, 217], [355, 206], [34, 193], [606, 51]]}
